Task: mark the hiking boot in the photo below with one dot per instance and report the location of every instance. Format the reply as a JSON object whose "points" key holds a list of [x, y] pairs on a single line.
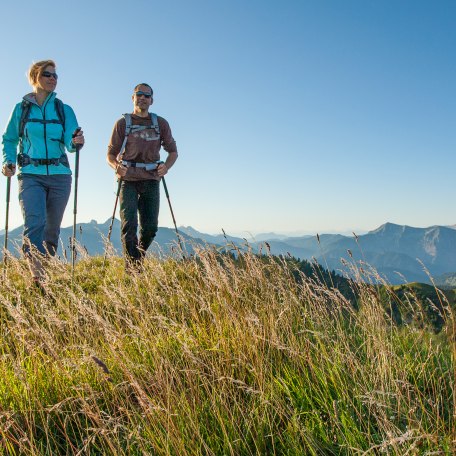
{"points": [[134, 266], [38, 283]]}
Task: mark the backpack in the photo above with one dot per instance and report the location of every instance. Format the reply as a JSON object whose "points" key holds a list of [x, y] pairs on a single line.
{"points": [[24, 159], [129, 128], [26, 107], [133, 128]]}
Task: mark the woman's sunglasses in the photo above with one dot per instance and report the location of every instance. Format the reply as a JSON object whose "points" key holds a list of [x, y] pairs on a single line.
{"points": [[48, 74]]}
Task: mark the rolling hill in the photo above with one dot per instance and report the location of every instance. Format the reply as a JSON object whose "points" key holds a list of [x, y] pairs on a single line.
{"points": [[398, 253]]}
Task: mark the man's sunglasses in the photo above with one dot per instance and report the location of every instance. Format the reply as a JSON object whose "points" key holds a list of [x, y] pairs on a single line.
{"points": [[144, 94], [48, 74]]}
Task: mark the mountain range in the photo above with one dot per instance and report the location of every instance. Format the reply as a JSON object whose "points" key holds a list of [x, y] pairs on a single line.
{"points": [[398, 253]]}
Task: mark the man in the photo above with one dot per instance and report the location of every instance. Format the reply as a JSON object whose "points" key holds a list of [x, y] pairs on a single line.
{"points": [[134, 154]]}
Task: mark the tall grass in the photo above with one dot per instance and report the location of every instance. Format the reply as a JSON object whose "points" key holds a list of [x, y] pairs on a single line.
{"points": [[213, 355]]}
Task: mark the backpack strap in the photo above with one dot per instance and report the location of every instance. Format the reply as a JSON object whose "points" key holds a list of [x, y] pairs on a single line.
{"points": [[58, 104], [155, 124], [25, 112], [26, 106], [25, 160], [127, 118]]}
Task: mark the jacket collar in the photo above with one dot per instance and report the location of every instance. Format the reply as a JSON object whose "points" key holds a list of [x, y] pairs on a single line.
{"points": [[30, 97]]}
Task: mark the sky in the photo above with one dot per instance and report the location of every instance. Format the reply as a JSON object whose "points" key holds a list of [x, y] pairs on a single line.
{"points": [[295, 117]]}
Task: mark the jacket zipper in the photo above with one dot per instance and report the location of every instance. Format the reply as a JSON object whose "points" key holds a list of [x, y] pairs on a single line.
{"points": [[44, 134]]}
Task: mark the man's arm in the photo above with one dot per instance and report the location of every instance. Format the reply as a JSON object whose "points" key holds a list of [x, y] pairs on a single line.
{"points": [[169, 144], [164, 167], [115, 144]]}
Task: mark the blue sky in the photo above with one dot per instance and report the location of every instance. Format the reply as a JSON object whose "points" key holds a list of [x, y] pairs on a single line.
{"points": [[293, 117]]}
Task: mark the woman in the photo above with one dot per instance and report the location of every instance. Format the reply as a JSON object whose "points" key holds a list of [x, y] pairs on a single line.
{"points": [[42, 126]]}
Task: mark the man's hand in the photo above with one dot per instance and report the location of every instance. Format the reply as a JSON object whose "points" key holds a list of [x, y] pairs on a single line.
{"points": [[121, 170], [162, 169], [8, 169]]}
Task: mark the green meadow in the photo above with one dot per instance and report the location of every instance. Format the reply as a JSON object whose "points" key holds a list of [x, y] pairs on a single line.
{"points": [[223, 355]]}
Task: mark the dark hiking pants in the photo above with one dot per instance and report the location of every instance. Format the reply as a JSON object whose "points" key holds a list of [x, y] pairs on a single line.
{"points": [[138, 198]]}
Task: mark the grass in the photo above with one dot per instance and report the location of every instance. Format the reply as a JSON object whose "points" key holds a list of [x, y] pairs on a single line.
{"points": [[213, 355]]}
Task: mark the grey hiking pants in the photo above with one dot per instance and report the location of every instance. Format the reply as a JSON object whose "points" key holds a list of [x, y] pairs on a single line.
{"points": [[43, 200]]}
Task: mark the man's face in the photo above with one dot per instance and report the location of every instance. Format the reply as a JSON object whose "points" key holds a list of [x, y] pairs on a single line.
{"points": [[142, 98]]}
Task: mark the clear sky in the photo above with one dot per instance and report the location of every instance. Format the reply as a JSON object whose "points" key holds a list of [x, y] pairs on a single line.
{"points": [[299, 116]]}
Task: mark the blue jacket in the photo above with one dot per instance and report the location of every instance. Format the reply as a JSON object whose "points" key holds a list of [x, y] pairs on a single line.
{"points": [[40, 140]]}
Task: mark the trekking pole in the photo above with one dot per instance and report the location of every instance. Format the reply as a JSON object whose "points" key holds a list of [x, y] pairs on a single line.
{"points": [[8, 191], [112, 221], [172, 213], [75, 206], [119, 159], [115, 208]]}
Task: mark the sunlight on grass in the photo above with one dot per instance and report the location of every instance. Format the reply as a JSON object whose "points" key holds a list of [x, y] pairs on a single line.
{"points": [[218, 355]]}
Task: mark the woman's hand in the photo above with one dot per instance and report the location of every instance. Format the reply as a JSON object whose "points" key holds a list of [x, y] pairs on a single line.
{"points": [[8, 169], [78, 138]]}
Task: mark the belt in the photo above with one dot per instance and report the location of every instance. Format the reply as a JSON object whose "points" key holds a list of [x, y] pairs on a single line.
{"points": [[24, 160], [146, 166]]}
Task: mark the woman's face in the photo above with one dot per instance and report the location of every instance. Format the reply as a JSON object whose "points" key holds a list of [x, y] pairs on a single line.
{"points": [[47, 79]]}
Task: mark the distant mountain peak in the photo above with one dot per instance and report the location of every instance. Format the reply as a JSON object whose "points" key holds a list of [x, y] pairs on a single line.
{"points": [[390, 248], [387, 227], [189, 230], [393, 228]]}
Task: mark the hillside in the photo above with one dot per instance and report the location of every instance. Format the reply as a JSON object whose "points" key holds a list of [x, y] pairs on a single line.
{"points": [[216, 354], [446, 280], [399, 254], [92, 236]]}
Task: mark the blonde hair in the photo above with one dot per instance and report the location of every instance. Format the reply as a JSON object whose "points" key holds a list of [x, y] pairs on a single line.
{"points": [[36, 69]]}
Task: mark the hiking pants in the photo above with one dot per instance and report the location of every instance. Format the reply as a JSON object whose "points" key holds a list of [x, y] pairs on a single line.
{"points": [[43, 200], [143, 198]]}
